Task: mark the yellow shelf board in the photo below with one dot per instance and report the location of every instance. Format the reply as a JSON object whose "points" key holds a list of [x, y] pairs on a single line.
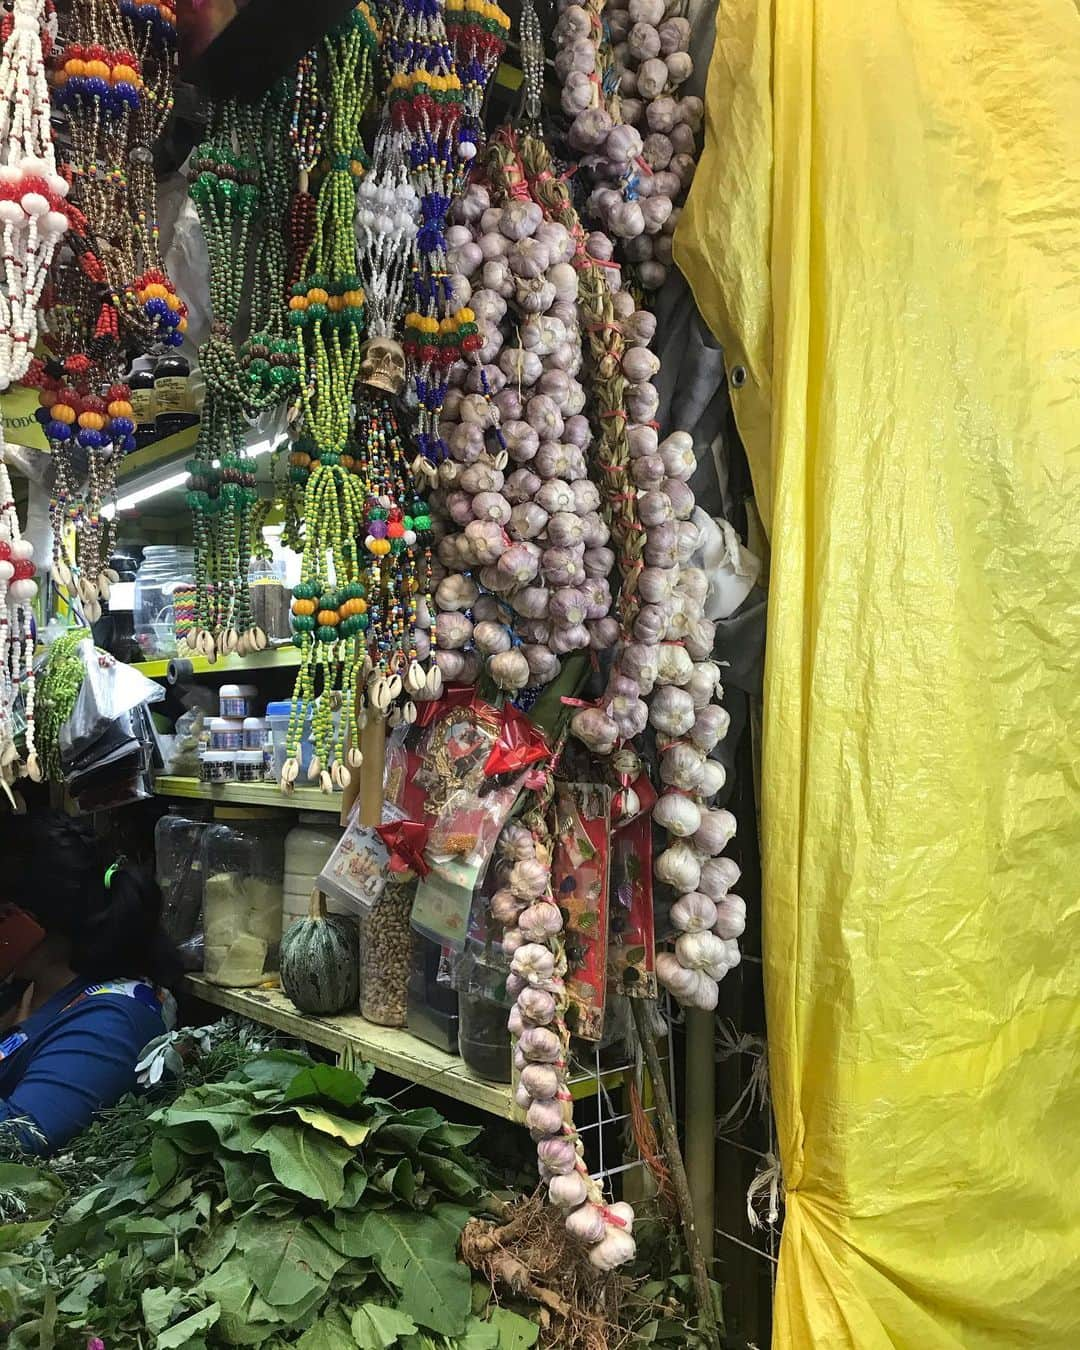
{"points": [[249, 794], [158, 452], [388, 1048], [270, 659]]}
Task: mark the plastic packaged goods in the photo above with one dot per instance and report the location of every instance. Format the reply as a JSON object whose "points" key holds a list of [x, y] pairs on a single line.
{"points": [[178, 871], [269, 597], [386, 940], [218, 766], [243, 866], [163, 569], [236, 700], [308, 847], [226, 733]]}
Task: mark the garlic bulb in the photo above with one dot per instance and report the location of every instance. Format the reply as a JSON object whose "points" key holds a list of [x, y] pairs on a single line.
{"points": [[586, 1224], [534, 962], [682, 766], [715, 831], [568, 1191], [730, 917], [679, 868], [695, 951], [615, 1249], [717, 876], [694, 913], [678, 814]]}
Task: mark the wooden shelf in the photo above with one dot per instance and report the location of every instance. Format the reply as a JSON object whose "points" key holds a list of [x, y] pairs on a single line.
{"points": [[273, 658], [388, 1048], [250, 794]]}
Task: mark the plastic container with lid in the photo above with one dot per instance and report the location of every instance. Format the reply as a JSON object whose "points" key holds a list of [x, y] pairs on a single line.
{"points": [[483, 1005], [226, 733], [433, 1002], [308, 847], [255, 730], [236, 700], [386, 939], [277, 718], [218, 766], [249, 766], [243, 866], [178, 870], [164, 567]]}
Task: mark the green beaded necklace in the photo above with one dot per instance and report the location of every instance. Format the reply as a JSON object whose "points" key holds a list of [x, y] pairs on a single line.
{"points": [[327, 313], [239, 192]]}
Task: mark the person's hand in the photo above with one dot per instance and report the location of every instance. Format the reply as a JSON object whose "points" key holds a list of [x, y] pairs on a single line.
{"points": [[21, 1011]]}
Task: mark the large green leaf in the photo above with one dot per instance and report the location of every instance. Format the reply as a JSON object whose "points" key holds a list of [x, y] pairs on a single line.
{"points": [[399, 1180], [514, 1332], [287, 1259], [39, 1190], [330, 1332], [13, 1236], [449, 1176], [305, 1162], [180, 1333], [328, 1085], [276, 1068], [159, 1307], [416, 1252], [376, 1328], [351, 1132], [478, 1335]]}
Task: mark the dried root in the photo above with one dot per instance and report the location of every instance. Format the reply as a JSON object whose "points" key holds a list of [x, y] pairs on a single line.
{"points": [[530, 1254]]}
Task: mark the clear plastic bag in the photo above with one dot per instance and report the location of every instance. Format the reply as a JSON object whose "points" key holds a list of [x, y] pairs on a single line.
{"points": [[110, 689]]}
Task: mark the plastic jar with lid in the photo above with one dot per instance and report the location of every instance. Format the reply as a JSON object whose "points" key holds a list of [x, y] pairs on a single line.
{"points": [[178, 871], [164, 569], [237, 700], [386, 940], [226, 733], [255, 729], [277, 718], [308, 847], [243, 865], [218, 766], [249, 766]]}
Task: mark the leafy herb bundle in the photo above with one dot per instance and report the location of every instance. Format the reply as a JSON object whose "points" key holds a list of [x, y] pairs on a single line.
{"points": [[282, 1207]]}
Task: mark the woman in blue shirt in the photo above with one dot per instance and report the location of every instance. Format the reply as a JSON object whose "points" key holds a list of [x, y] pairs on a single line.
{"points": [[91, 994]]}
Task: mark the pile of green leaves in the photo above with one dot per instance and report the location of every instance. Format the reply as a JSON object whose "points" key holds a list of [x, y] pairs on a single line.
{"points": [[282, 1207]]}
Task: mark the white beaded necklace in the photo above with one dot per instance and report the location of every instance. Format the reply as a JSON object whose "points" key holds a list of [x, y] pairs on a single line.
{"points": [[31, 213]]}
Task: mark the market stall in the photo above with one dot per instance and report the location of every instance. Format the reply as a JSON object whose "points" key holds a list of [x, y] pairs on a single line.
{"points": [[366, 565]]}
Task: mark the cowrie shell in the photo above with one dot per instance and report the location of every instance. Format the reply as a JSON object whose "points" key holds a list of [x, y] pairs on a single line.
{"points": [[314, 768], [434, 682], [354, 757], [393, 685]]}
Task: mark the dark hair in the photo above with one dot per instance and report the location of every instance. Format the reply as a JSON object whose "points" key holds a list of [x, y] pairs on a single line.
{"points": [[54, 868]]}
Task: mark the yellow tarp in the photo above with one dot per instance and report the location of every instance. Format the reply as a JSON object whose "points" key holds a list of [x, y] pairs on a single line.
{"points": [[885, 233]]}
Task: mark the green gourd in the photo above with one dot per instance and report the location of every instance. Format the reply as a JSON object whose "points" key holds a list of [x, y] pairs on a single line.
{"points": [[320, 960]]}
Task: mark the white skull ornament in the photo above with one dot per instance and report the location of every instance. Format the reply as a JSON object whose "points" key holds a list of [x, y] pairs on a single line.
{"points": [[383, 365]]}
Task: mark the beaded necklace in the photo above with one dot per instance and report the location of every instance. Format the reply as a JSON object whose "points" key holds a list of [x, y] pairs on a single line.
{"points": [[237, 170], [330, 605], [33, 219]]}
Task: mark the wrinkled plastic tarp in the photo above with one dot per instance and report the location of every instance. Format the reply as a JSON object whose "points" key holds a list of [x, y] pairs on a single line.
{"points": [[885, 234]]}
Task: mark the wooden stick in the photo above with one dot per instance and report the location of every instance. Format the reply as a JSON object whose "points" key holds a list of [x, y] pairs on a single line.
{"points": [[373, 745], [670, 1135]]}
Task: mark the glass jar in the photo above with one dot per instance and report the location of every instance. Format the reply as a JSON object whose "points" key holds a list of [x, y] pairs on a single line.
{"points": [[178, 870], [243, 855], [308, 847], [483, 1009], [386, 939], [269, 597], [164, 567]]}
